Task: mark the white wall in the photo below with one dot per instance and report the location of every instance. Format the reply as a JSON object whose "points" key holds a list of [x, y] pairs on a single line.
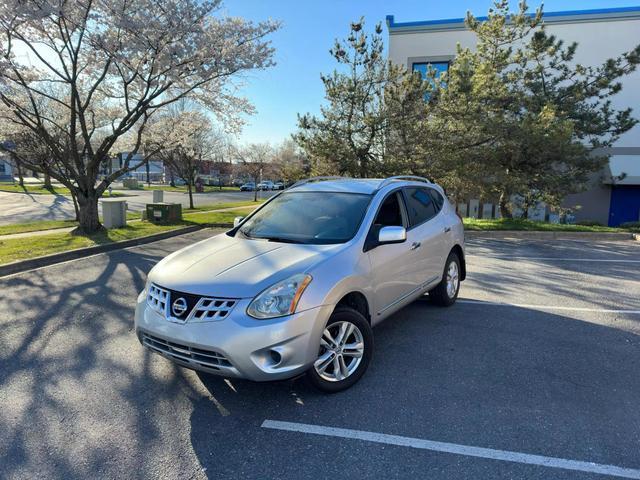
{"points": [[597, 41]]}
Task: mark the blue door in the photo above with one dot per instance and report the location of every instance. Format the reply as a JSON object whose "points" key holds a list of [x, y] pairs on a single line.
{"points": [[625, 204]]}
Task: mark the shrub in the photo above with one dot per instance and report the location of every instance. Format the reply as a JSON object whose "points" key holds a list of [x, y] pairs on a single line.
{"points": [[589, 223]]}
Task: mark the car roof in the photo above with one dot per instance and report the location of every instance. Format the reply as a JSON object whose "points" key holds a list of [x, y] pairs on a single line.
{"points": [[351, 185]]}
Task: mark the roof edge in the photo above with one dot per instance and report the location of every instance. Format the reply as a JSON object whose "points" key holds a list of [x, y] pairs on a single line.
{"points": [[567, 16]]}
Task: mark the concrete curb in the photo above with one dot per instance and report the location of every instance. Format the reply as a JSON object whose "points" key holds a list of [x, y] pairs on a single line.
{"points": [[44, 261], [536, 235]]}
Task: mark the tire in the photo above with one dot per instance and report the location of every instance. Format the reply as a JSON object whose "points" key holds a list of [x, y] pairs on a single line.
{"points": [[446, 293], [322, 374]]}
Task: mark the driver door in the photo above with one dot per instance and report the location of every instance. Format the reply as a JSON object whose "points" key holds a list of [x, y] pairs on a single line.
{"points": [[391, 265]]}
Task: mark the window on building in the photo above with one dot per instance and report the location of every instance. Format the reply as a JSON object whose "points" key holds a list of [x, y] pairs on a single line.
{"points": [[424, 67], [3, 169]]}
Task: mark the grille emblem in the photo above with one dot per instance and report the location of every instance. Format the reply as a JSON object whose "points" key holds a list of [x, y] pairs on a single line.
{"points": [[179, 306]]}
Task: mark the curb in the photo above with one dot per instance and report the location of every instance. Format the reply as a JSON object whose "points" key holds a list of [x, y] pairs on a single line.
{"points": [[537, 235], [46, 260]]}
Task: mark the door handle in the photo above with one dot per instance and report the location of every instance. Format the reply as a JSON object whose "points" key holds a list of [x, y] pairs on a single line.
{"points": [[415, 245], [447, 229]]}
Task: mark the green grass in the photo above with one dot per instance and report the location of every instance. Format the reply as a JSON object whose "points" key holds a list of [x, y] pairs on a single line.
{"points": [[221, 205], [215, 217], [183, 188], [36, 246], [38, 189], [530, 225], [36, 226]]}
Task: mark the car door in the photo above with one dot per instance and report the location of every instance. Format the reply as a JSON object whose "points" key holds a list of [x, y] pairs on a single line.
{"points": [[426, 234], [393, 276]]}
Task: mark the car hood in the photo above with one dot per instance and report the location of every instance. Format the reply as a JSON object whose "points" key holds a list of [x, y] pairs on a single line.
{"points": [[225, 266]]}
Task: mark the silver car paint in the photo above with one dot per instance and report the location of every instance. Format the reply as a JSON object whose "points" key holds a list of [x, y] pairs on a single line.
{"points": [[389, 277]]}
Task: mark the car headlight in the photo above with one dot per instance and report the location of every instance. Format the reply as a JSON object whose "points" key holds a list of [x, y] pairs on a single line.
{"points": [[279, 299]]}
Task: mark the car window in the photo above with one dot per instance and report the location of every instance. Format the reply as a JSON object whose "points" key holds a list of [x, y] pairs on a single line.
{"points": [[420, 205], [389, 214], [308, 217], [437, 199]]}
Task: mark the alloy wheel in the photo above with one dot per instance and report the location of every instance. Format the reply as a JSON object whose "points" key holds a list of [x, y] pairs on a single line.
{"points": [[341, 350], [452, 279]]}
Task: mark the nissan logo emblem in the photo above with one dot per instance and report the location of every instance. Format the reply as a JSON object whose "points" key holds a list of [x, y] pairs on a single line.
{"points": [[179, 306]]}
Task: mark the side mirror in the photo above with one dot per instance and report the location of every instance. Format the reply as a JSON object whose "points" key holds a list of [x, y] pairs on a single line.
{"points": [[392, 235], [237, 221]]}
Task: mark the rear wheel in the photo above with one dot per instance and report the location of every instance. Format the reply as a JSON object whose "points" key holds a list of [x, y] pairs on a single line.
{"points": [[446, 293], [345, 351]]}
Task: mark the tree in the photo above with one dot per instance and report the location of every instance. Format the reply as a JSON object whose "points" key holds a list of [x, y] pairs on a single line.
{"points": [[255, 160], [348, 134], [519, 116], [184, 140], [289, 162], [109, 67]]}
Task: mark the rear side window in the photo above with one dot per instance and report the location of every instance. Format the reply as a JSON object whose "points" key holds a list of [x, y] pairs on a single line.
{"points": [[420, 205], [437, 199]]}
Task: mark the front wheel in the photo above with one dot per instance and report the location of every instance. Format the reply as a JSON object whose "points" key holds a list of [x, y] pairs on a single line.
{"points": [[346, 348], [446, 293]]}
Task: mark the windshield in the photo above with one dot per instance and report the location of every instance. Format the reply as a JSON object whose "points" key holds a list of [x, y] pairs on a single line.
{"points": [[308, 217]]}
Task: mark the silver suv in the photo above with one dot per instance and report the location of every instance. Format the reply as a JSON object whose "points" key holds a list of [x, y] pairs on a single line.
{"points": [[296, 286]]}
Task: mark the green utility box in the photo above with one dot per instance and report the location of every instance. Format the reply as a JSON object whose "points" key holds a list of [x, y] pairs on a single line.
{"points": [[130, 183], [164, 212]]}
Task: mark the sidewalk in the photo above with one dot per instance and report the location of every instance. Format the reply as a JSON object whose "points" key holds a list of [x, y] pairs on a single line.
{"points": [[69, 229]]}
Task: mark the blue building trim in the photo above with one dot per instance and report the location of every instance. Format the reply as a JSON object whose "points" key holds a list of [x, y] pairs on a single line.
{"points": [[595, 14]]}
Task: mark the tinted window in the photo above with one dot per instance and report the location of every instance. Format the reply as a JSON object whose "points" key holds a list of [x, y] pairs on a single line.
{"points": [[308, 217], [389, 213], [420, 205], [437, 199]]}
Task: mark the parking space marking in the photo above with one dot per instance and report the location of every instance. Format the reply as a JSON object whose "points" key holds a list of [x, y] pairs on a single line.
{"points": [[563, 259], [467, 450], [547, 307]]}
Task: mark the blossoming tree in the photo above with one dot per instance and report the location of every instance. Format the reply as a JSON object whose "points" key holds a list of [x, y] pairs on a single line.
{"points": [[87, 76]]}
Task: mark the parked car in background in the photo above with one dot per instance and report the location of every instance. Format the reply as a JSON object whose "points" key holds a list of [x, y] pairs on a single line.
{"points": [[248, 187], [237, 182], [278, 186], [265, 185], [297, 286]]}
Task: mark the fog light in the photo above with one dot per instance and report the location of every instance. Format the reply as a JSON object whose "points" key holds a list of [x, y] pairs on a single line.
{"points": [[276, 357]]}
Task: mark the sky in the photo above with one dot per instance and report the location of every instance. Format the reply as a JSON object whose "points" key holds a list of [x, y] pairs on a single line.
{"points": [[308, 31]]}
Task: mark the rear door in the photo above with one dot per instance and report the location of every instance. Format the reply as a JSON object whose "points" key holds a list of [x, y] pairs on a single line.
{"points": [[426, 234]]}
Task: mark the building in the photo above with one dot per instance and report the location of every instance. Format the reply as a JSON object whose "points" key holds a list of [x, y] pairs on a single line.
{"points": [[154, 168], [6, 173], [600, 34]]}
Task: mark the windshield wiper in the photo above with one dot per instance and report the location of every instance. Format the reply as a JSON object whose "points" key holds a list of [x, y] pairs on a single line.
{"points": [[281, 239]]}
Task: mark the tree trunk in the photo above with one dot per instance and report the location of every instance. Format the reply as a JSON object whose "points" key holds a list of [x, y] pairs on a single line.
{"points": [[189, 188], [75, 206], [505, 212], [47, 181], [20, 176], [88, 221], [255, 193]]}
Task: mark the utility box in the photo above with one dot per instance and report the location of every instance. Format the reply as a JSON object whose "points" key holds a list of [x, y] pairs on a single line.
{"points": [[487, 210], [474, 208], [130, 183], [164, 212], [158, 196], [114, 213], [463, 209]]}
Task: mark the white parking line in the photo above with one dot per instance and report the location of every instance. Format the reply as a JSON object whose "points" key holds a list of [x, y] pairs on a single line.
{"points": [[470, 451], [548, 307]]}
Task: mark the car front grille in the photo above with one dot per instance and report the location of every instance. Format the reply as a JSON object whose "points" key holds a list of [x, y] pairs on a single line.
{"points": [[199, 308], [185, 353]]}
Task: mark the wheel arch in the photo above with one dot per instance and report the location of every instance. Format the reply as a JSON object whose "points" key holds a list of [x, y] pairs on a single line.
{"points": [[457, 249], [357, 301]]}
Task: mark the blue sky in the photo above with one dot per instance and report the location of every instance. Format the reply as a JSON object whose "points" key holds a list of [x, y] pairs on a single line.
{"points": [[308, 31]]}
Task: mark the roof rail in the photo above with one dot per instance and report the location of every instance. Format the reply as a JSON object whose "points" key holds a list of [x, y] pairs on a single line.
{"points": [[390, 180], [315, 179]]}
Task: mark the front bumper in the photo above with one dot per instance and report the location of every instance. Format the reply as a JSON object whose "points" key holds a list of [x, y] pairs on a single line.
{"points": [[237, 346]]}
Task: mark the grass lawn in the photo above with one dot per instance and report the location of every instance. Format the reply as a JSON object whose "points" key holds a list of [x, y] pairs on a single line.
{"points": [[215, 217], [183, 188], [38, 189], [23, 248], [520, 224]]}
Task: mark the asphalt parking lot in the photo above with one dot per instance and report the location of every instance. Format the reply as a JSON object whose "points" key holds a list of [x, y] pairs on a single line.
{"points": [[533, 374]]}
